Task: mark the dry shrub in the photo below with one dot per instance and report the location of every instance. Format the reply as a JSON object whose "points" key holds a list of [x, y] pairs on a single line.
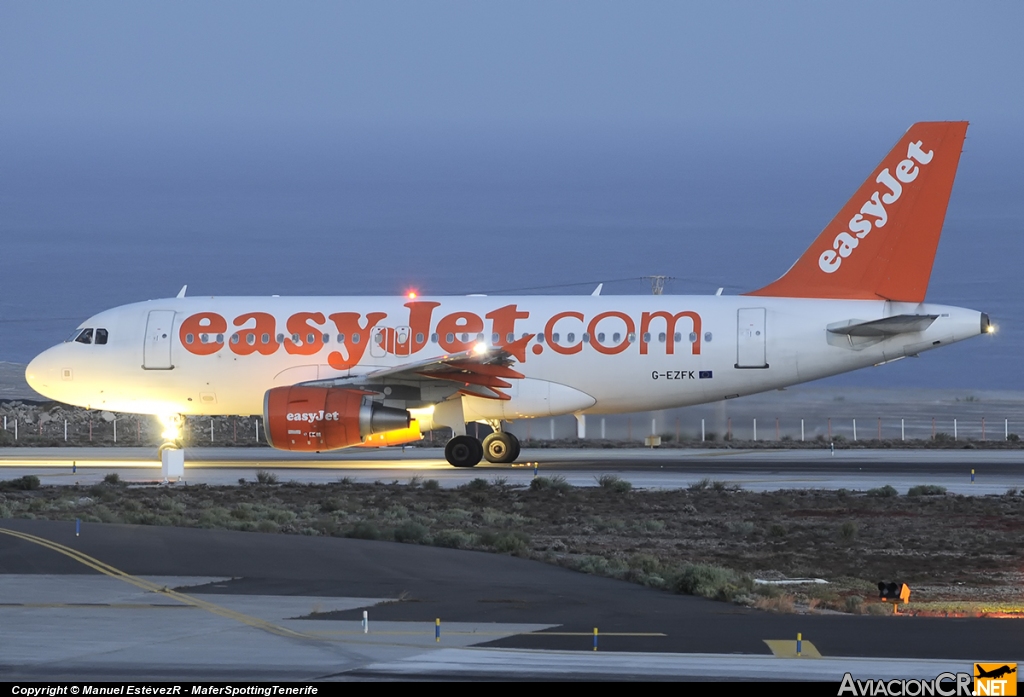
{"points": [[781, 603]]}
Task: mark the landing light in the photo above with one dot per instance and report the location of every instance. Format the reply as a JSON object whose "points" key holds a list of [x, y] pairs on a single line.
{"points": [[480, 348], [991, 329], [172, 427]]}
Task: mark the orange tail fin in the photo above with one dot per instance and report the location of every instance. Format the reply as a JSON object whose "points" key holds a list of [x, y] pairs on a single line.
{"points": [[883, 241]]}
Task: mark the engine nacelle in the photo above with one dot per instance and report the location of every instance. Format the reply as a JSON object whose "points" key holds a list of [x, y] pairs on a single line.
{"points": [[325, 418]]}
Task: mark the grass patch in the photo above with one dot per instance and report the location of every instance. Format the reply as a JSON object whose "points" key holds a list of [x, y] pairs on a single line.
{"points": [[886, 491], [927, 490], [614, 484], [556, 483], [29, 482], [709, 581], [264, 477]]}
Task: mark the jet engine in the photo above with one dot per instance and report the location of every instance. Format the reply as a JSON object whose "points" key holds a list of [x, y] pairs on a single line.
{"points": [[308, 419]]}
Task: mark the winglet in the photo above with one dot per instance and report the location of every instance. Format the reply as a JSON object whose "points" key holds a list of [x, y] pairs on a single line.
{"points": [[882, 243]]}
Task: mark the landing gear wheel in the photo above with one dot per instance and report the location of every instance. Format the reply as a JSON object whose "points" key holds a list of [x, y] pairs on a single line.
{"points": [[501, 447], [463, 451]]}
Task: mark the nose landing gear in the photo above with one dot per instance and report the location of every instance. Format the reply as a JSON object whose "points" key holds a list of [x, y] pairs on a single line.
{"points": [[172, 455]]}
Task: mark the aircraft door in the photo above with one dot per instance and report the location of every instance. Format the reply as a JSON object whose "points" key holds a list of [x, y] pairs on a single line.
{"points": [[379, 342], [156, 352], [750, 338]]}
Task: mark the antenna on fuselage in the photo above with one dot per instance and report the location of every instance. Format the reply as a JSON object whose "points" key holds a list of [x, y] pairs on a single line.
{"points": [[597, 291], [181, 293], [657, 283]]}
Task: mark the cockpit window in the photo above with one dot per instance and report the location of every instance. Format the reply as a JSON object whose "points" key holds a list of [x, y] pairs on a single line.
{"points": [[85, 337], [101, 336]]}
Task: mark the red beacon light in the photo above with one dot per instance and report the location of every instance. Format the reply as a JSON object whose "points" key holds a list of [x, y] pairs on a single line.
{"points": [[412, 295]]}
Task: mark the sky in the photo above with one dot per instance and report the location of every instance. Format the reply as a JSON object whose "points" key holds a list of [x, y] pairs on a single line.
{"points": [[362, 148]]}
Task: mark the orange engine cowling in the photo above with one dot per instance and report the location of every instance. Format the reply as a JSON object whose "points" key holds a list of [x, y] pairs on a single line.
{"points": [[325, 418]]}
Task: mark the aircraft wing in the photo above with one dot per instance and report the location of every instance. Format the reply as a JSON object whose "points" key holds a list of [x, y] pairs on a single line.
{"points": [[479, 372]]}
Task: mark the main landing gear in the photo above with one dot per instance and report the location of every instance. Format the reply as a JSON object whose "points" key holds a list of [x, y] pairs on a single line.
{"points": [[466, 451]]}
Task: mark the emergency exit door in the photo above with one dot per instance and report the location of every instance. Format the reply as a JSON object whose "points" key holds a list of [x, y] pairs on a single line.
{"points": [[156, 353], [750, 338]]}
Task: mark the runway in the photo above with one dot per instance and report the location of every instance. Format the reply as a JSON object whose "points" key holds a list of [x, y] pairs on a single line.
{"points": [[994, 471], [124, 602]]}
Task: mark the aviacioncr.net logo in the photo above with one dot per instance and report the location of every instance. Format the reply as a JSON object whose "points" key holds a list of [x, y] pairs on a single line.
{"points": [[943, 685]]}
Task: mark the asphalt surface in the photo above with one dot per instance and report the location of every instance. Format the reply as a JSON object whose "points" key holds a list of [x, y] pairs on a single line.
{"points": [[461, 586], [995, 471]]}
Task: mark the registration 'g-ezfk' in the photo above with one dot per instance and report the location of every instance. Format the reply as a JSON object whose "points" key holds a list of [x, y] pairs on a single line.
{"points": [[333, 372]]}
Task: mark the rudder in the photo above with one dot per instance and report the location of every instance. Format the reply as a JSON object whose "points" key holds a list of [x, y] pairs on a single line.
{"points": [[882, 243]]}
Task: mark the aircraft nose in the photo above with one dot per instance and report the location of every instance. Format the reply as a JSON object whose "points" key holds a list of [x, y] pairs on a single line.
{"points": [[40, 374]]}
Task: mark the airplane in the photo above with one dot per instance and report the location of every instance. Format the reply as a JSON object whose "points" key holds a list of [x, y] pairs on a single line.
{"points": [[333, 372], [995, 672]]}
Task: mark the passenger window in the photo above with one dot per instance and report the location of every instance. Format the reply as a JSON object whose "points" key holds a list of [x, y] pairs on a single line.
{"points": [[251, 339], [419, 338], [310, 338], [480, 337], [341, 338], [101, 336], [433, 338], [234, 339], [189, 338], [265, 338], [678, 336], [204, 338], [85, 337], [693, 337], [220, 338], [355, 338], [647, 336], [295, 338], [571, 337], [554, 337], [707, 336], [450, 338], [632, 337], [495, 338], [661, 337], [280, 338], [510, 338], [616, 337], [600, 337], [540, 338], [327, 338], [586, 338]]}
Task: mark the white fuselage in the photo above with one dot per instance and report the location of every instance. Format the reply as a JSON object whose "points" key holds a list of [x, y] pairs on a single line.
{"points": [[589, 354]]}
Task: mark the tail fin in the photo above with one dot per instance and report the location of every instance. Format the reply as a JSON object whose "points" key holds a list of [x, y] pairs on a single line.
{"points": [[883, 241]]}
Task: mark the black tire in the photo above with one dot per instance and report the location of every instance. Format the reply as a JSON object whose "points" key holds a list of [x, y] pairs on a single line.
{"points": [[516, 449], [501, 448], [463, 451]]}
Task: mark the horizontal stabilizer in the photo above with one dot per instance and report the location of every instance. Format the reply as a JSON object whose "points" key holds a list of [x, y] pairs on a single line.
{"points": [[889, 326]]}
